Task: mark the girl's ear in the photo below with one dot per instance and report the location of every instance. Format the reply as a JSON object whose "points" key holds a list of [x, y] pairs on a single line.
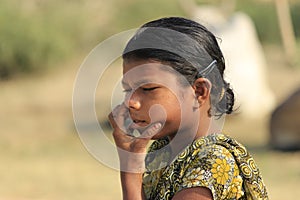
{"points": [[202, 87]]}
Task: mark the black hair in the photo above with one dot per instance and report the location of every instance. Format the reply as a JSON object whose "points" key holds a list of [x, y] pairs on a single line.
{"points": [[188, 47]]}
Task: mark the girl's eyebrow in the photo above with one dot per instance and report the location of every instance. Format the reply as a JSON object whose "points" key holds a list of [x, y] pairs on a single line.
{"points": [[138, 83]]}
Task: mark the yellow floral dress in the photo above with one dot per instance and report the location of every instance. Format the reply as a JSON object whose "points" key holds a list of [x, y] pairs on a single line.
{"points": [[216, 162]]}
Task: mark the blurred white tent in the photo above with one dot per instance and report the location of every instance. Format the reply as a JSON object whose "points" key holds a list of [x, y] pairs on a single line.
{"points": [[244, 56]]}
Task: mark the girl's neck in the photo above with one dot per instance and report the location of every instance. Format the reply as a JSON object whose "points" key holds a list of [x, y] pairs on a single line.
{"points": [[185, 137]]}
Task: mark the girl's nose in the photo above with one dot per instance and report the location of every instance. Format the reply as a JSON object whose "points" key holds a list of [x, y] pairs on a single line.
{"points": [[132, 101]]}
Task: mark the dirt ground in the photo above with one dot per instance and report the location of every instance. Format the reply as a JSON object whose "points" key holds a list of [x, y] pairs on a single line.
{"points": [[42, 156]]}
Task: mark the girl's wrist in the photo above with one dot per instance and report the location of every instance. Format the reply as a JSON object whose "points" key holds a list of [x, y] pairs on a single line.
{"points": [[133, 163]]}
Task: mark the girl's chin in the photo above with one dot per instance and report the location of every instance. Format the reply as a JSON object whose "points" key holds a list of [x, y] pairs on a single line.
{"points": [[141, 127], [138, 127], [138, 131]]}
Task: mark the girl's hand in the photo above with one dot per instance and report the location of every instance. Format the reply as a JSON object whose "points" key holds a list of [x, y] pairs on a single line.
{"points": [[131, 149]]}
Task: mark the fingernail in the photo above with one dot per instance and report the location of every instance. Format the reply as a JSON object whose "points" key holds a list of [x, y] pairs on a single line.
{"points": [[157, 125]]}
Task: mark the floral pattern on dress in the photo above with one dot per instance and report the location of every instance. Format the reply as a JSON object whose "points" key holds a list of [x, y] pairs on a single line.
{"points": [[220, 170], [216, 162]]}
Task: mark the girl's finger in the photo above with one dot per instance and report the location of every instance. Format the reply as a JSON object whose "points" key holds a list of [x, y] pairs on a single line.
{"points": [[118, 119], [118, 115], [151, 131]]}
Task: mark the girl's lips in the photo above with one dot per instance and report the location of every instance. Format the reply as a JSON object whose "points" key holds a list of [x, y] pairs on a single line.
{"points": [[138, 124], [142, 126]]}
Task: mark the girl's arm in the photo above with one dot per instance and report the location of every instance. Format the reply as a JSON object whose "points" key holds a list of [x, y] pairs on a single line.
{"points": [[132, 152], [196, 193], [132, 186], [131, 174]]}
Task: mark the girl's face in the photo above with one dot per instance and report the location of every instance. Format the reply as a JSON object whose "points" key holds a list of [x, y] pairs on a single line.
{"points": [[154, 94]]}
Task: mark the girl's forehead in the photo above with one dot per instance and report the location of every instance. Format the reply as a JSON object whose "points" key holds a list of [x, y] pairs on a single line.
{"points": [[147, 64]]}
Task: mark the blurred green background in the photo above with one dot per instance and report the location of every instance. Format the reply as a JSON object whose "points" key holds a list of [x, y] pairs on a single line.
{"points": [[43, 43]]}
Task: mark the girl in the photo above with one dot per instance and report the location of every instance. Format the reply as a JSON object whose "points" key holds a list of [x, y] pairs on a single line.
{"points": [[174, 94]]}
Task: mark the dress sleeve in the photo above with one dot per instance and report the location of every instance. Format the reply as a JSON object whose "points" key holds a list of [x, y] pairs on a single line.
{"points": [[213, 167]]}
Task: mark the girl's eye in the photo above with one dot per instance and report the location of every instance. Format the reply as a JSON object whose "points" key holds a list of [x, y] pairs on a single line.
{"points": [[149, 89]]}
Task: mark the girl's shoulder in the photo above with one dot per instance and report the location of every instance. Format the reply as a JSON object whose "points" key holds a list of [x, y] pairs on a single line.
{"points": [[220, 151], [220, 142]]}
